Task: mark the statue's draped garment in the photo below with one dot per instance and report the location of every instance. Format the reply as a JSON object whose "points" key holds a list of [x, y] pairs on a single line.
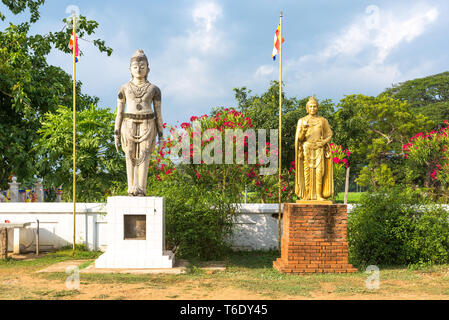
{"points": [[139, 131], [314, 166]]}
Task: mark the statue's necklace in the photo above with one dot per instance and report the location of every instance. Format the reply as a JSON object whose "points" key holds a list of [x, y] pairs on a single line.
{"points": [[139, 94], [313, 122]]}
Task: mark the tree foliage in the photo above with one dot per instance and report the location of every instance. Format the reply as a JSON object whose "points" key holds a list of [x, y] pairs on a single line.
{"points": [[30, 87], [398, 226], [264, 111], [100, 169], [428, 95], [375, 129], [427, 163]]}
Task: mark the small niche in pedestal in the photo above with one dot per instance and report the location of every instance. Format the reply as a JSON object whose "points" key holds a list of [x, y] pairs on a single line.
{"points": [[135, 226]]}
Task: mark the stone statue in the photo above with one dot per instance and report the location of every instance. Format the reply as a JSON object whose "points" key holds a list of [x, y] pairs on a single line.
{"points": [[314, 167], [137, 127]]}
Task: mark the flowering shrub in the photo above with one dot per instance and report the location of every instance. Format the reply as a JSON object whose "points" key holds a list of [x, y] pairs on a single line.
{"points": [[340, 157], [201, 196], [427, 157], [231, 179], [266, 187], [231, 175]]}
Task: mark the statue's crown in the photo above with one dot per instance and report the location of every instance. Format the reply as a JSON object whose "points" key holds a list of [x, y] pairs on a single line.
{"points": [[312, 100], [138, 56]]}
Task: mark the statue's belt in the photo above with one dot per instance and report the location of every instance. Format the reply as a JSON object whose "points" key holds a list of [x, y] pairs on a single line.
{"points": [[136, 116]]}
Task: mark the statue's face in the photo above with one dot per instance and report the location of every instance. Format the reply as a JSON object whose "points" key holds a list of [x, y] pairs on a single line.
{"points": [[139, 69], [312, 109]]}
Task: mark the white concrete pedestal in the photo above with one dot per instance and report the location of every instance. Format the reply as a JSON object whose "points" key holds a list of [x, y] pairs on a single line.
{"points": [[146, 252]]}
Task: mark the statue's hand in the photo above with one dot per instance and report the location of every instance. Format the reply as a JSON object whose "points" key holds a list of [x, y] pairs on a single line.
{"points": [[320, 144]]}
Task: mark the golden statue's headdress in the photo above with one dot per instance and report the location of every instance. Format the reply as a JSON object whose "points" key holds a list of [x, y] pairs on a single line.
{"points": [[312, 100]]}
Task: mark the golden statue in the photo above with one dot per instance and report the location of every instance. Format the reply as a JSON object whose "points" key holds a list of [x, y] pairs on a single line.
{"points": [[314, 168]]}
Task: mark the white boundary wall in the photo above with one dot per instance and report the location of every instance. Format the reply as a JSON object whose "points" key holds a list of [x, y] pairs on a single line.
{"points": [[256, 225]]}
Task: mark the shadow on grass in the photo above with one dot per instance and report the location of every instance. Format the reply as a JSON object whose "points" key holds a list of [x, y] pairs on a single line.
{"points": [[252, 259], [63, 254]]}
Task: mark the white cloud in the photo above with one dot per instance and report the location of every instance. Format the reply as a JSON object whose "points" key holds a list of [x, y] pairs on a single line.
{"points": [[392, 32], [205, 15], [358, 58], [265, 71], [382, 31], [191, 57]]}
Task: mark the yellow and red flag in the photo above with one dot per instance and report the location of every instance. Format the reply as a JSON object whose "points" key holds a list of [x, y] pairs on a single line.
{"points": [[277, 42], [76, 46]]}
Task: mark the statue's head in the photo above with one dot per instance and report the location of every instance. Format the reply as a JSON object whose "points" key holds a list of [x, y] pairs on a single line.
{"points": [[138, 65], [312, 106]]}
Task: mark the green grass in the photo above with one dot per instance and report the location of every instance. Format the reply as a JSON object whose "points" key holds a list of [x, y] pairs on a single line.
{"points": [[63, 254], [353, 197], [250, 272]]}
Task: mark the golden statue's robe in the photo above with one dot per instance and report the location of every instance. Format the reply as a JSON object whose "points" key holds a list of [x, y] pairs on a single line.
{"points": [[314, 166]]}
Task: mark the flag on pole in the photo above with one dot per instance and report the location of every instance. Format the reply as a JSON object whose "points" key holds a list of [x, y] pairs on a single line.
{"points": [[277, 43], [76, 47]]}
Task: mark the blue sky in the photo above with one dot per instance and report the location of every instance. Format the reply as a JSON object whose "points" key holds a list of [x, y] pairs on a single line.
{"points": [[200, 50]]}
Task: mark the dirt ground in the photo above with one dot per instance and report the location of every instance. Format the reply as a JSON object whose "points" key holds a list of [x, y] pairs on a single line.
{"points": [[235, 283]]}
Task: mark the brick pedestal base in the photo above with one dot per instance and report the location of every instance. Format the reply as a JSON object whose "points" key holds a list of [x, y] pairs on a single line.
{"points": [[314, 239]]}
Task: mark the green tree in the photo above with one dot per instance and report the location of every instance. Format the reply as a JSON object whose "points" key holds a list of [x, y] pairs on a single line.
{"points": [[375, 129], [229, 178], [199, 220], [428, 95], [264, 111], [100, 169], [29, 87], [427, 163]]}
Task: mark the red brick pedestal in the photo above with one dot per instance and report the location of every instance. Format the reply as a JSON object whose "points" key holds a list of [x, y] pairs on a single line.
{"points": [[314, 239]]}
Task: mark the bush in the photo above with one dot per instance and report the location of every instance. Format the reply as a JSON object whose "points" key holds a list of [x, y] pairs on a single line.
{"points": [[427, 162], [198, 221], [397, 226]]}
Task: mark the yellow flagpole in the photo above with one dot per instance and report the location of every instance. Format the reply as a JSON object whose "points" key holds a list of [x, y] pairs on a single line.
{"points": [[74, 131], [280, 126]]}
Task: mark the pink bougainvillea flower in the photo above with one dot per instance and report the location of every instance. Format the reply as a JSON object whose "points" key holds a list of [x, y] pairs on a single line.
{"points": [[406, 147], [336, 160], [185, 125], [434, 174]]}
